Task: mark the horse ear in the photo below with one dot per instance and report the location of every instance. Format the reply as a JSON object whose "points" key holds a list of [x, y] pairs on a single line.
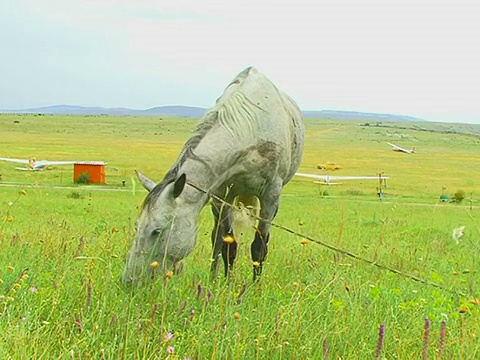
{"points": [[146, 182], [179, 185]]}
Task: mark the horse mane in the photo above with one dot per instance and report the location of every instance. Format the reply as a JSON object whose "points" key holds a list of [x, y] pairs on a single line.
{"points": [[237, 114], [208, 121]]}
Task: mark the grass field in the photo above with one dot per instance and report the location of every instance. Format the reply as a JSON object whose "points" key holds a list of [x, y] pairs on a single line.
{"points": [[64, 246]]}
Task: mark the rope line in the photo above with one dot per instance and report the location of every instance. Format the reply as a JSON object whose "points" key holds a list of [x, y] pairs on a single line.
{"points": [[337, 249]]}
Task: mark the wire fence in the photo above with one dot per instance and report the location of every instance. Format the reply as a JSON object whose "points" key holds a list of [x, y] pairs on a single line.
{"points": [[337, 249]]}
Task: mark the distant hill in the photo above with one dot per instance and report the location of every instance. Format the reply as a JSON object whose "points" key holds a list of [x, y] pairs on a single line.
{"points": [[184, 111], [354, 115], [190, 111]]}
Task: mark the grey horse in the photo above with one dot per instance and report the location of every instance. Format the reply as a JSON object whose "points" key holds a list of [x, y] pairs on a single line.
{"points": [[244, 151]]}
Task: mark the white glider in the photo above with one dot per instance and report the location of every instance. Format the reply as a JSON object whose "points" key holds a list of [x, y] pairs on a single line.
{"points": [[34, 165]]}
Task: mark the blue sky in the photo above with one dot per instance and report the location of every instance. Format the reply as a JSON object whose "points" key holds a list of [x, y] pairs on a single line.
{"points": [[417, 58]]}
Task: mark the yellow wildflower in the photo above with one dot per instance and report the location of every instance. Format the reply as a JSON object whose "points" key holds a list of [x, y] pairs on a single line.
{"points": [[304, 241], [23, 192], [154, 265], [256, 264], [10, 218], [236, 316], [228, 239], [169, 274]]}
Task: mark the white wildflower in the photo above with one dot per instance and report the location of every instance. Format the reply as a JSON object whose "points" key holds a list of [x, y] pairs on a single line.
{"points": [[458, 233]]}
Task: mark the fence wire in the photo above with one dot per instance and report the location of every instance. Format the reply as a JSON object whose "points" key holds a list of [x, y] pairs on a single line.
{"points": [[337, 249]]}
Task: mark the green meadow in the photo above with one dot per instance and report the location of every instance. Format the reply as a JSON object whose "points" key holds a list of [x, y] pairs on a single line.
{"points": [[63, 248]]}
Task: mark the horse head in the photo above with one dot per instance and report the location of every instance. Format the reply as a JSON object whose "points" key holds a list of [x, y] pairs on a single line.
{"points": [[165, 233]]}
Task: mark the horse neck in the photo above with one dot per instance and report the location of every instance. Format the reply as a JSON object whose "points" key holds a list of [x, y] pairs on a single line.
{"points": [[199, 179]]}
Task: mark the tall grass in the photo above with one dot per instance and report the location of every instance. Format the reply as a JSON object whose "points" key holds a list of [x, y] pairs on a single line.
{"points": [[62, 257]]}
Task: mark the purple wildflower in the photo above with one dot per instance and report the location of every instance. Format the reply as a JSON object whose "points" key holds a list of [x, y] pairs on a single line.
{"points": [[171, 350], [443, 335], [34, 289], [199, 291], [381, 339], [426, 336], [209, 296], [168, 337]]}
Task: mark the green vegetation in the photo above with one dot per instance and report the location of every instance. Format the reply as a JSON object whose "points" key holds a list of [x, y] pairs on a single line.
{"points": [[459, 196], [84, 178], [63, 249]]}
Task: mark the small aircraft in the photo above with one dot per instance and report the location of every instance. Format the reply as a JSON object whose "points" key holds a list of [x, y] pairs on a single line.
{"points": [[34, 165], [327, 179], [400, 149]]}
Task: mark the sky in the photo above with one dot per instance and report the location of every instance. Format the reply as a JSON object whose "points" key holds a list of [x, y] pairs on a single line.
{"points": [[409, 57]]}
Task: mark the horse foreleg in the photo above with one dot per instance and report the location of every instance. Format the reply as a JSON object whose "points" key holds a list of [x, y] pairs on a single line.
{"points": [[229, 254], [222, 227], [259, 248]]}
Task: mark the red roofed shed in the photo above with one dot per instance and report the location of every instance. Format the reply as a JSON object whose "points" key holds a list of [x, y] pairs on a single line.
{"points": [[95, 170]]}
